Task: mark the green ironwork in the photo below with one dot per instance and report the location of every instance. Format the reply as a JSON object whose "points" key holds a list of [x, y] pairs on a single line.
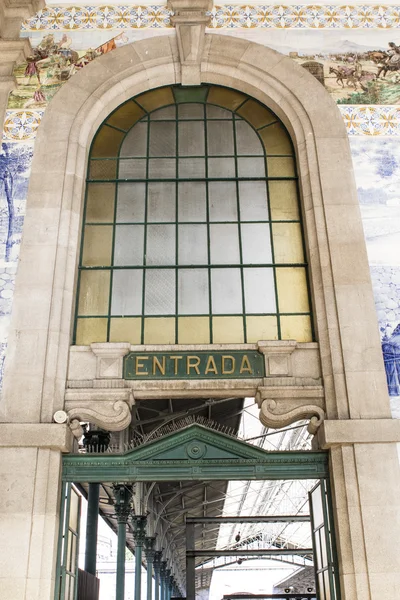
{"points": [[195, 453], [189, 95], [235, 364], [91, 528], [67, 554], [157, 567], [139, 535], [123, 497]]}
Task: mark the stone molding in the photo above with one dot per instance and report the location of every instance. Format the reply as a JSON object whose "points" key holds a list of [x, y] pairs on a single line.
{"points": [[109, 409], [281, 406], [362, 431], [190, 21], [36, 435]]}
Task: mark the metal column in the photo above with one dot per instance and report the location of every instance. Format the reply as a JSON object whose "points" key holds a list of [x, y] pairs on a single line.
{"points": [[139, 534], [123, 497], [157, 567], [190, 562], [149, 551], [91, 528], [163, 580]]}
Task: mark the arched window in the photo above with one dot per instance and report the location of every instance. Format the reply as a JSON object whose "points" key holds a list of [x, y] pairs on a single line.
{"points": [[192, 229]]}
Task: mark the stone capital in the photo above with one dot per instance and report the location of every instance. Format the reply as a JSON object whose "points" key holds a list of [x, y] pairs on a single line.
{"points": [[14, 12], [357, 431]]}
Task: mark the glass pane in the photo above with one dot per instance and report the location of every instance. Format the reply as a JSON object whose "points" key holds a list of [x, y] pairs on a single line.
{"points": [[169, 112], [226, 291], [74, 511], [162, 168], [192, 245], [261, 328], [193, 296], [224, 244], [135, 142], [220, 138], [94, 291], [128, 246], [221, 168], [160, 245], [317, 550], [222, 201], [132, 168], [247, 141], [256, 243], [256, 114], [103, 169], [251, 167], [97, 245], [323, 547], [190, 168], [296, 328], [161, 201], [322, 595], [288, 243], [227, 330], [126, 296], [231, 99], [126, 330], [282, 166], [100, 203], [191, 111], [160, 292], [192, 201], [131, 201], [72, 567], [259, 290], [283, 200], [253, 201], [162, 139], [89, 331], [276, 140], [191, 138], [68, 586], [215, 112], [292, 289], [317, 509], [156, 98], [327, 586], [125, 116], [193, 330], [106, 142], [159, 331]]}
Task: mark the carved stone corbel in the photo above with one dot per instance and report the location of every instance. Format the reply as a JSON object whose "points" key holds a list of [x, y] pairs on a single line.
{"points": [[281, 406], [109, 409], [190, 21]]}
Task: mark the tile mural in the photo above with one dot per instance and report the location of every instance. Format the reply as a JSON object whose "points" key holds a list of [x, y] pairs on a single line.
{"points": [[359, 67]]}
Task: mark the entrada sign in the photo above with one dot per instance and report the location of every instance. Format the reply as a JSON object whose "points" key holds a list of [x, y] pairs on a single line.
{"points": [[235, 364]]}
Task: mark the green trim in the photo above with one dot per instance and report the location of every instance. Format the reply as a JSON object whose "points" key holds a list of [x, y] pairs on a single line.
{"points": [[170, 458]]}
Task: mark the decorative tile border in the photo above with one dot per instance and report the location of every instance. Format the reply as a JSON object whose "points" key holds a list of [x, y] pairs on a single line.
{"points": [[21, 125], [227, 16]]}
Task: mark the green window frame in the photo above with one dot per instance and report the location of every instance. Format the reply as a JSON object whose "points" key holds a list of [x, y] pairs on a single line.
{"points": [[103, 270]]}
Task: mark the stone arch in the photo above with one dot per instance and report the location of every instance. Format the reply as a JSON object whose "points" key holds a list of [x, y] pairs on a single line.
{"points": [[40, 330]]}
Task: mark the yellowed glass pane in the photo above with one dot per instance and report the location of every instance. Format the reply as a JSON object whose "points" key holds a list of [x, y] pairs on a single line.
{"points": [[261, 328], [125, 330], [103, 169], [276, 139], [229, 99], [193, 330], [89, 331], [94, 292], [74, 510], [288, 246], [156, 98], [281, 166], [97, 246], [100, 202], [256, 114], [296, 327], [107, 142], [227, 330], [292, 289], [126, 115], [283, 200], [159, 331]]}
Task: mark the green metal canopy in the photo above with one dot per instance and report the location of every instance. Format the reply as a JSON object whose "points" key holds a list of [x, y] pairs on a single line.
{"points": [[195, 453]]}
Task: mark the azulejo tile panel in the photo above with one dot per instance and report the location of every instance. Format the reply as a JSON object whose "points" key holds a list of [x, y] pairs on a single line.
{"points": [[22, 125], [227, 16]]}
